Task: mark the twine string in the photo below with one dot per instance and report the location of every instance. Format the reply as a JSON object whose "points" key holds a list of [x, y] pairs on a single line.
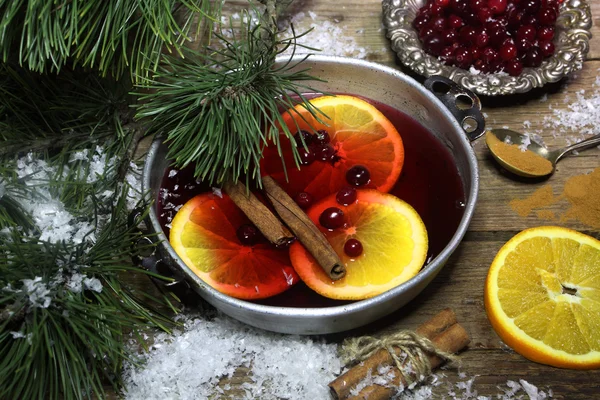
{"points": [[412, 360]]}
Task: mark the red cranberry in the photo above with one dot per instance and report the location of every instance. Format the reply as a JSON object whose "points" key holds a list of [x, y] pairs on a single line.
{"points": [[442, 3], [491, 59], [530, 6], [321, 137], [533, 58], [331, 218], [346, 196], [438, 23], [420, 21], [307, 157], [426, 32], [455, 22], [325, 153], [467, 35], [353, 248], [497, 6], [547, 16], [475, 53], [515, 19], [547, 48], [304, 200], [497, 36], [482, 38], [463, 58], [449, 36], [508, 51], [433, 45], [513, 67], [248, 234], [480, 65], [476, 5], [471, 18], [447, 55], [303, 135], [526, 32], [459, 6], [436, 10], [554, 4], [358, 175], [545, 33], [523, 46], [484, 14]]}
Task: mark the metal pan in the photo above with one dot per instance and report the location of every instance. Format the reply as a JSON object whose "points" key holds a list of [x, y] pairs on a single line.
{"points": [[386, 85]]}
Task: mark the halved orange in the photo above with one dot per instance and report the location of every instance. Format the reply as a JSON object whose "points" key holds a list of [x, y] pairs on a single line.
{"points": [[360, 135], [542, 296], [394, 241], [203, 234]]}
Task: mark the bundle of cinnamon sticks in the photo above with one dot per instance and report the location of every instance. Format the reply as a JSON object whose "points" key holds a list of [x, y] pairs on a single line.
{"points": [[443, 331], [292, 215]]}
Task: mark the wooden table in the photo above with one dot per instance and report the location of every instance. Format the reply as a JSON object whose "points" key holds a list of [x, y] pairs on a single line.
{"points": [[460, 284]]}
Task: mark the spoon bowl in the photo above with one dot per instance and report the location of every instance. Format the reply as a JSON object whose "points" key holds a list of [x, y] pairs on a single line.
{"points": [[521, 156]]}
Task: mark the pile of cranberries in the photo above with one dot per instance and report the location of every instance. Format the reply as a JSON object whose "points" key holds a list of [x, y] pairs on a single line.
{"points": [[489, 35], [318, 147]]}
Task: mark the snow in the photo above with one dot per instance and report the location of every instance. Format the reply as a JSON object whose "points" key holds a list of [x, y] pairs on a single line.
{"points": [[77, 282], [579, 119], [328, 37], [2, 189], [37, 292], [191, 363]]}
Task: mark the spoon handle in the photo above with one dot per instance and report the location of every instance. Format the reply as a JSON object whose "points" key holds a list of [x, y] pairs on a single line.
{"points": [[584, 144]]}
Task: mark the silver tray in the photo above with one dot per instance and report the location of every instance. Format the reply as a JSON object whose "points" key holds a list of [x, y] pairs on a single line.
{"points": [[571, 42]]}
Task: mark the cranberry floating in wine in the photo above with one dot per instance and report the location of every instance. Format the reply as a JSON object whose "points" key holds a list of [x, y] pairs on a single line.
{"points": [[248, 234], [304, 200], [332, 218], [358, 175], [353, 248], [346, 196]]}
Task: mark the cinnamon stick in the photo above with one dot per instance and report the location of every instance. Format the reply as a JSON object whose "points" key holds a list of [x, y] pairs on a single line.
{"points": [[452, 340], [304, 229], [266, 222], [442, 330]]}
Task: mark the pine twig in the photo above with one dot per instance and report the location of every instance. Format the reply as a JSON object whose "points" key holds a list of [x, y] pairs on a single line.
{"points": [[137, 133]]}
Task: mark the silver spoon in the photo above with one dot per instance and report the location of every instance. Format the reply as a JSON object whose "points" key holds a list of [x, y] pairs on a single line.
{"points": [[521, 164]]}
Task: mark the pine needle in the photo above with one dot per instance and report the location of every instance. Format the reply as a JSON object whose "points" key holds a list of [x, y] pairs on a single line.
{"points": [[107, 35], [219, 109]]}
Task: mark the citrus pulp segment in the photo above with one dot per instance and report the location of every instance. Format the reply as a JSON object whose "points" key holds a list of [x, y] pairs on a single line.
{"points": [[359, 134], [393, 238], [203, 234], [542, 296]]}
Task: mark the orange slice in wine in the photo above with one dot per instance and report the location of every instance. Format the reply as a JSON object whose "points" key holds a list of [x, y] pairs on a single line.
{"points": [[204, 235], [359, 135], [394, 246]]}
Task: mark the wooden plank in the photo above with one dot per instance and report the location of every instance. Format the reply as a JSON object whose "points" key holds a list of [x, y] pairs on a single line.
{"points": [[498, 187]]}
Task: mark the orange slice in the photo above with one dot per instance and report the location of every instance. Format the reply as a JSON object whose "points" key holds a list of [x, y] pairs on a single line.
{"points": [[203, 234], [542, 296], [360, 135], [394, 243]]}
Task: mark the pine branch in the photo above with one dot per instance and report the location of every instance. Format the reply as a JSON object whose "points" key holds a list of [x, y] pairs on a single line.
{"points": [[111, 36], [75, 108], [64, 310], [220, 109]]}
